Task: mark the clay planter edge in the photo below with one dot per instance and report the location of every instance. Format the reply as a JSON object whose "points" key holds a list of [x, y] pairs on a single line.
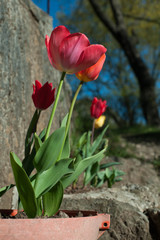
{"points": [[91, 226]]}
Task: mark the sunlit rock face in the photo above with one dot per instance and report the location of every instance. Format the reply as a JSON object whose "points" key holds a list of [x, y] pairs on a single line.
{"points": [[23, 59]]}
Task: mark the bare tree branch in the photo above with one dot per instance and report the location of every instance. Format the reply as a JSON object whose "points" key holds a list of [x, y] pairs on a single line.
{"points": [[142, 18], [116, 9], [156, 57], [105, 20]]}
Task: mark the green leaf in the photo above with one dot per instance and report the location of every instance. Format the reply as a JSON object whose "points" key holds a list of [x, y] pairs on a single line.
{"points": [[48, 153], [81, 148], [119, 173], [100, 183], [42, 134], [82, 140], [97, 141], [52, 199], [101, 178], [38, 142], [106, 165], [88, 145], [87, 175], [82, 165], [28, 161], [66, 149], [65, 152], [64, 121], [108, 172], [110, 175], [101, 175], [118, 179], [5, 189], [39, 207], [30, 132], [24, 187], [91, 172], [47, 179]]}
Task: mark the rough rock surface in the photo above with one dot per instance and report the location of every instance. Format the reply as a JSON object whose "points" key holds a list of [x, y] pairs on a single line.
{"points": [[23, 59], [137, 172], [126, 206], [153, 215]]}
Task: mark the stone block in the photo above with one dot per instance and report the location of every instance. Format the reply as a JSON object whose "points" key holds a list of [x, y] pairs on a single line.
{"points": [[23, 59]]}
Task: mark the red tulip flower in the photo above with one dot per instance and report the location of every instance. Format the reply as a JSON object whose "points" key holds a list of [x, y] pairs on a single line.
{"points": [[71, 53], [43, 96], [98, 107], [92, 72]]}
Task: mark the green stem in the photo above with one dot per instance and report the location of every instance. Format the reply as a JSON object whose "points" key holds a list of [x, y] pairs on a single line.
{"points": [[55, 105], [69, 116]]}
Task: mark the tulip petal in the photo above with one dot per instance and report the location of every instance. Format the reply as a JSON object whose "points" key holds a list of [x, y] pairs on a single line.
{"points": [[92, 72], [71, 49], [48, 51], [51, 97], [36, 87], [57, 36], [90, 56], [44, 91], [38, 84], [43, 96]]}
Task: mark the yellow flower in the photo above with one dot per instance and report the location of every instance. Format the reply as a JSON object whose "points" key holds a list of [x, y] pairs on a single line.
{"points": [[99, 122]]}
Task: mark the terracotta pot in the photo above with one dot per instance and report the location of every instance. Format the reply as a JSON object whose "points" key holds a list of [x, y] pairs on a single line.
{"points": [[89, 227]]}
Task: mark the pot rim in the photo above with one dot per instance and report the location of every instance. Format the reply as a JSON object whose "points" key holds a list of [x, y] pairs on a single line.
{"points": [[102, 219]]}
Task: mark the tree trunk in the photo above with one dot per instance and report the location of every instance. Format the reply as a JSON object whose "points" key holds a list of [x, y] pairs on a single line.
{"points": [[144, 78]]}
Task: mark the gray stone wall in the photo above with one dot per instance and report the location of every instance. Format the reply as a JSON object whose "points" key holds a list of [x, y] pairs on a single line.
{"points": [[23, 59]]}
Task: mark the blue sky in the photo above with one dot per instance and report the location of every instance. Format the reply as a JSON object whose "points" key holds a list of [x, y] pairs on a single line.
{"points": [[66, 6]]}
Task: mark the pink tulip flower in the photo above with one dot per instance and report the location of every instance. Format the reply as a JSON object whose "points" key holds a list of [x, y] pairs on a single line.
{"points": [[71, 53], [92, 72], [98, 107], [43, 96]]}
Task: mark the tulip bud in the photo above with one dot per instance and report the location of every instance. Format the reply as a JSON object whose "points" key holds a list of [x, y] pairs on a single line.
{"points": [[98, 107], [43, 96], [99, 122]]}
